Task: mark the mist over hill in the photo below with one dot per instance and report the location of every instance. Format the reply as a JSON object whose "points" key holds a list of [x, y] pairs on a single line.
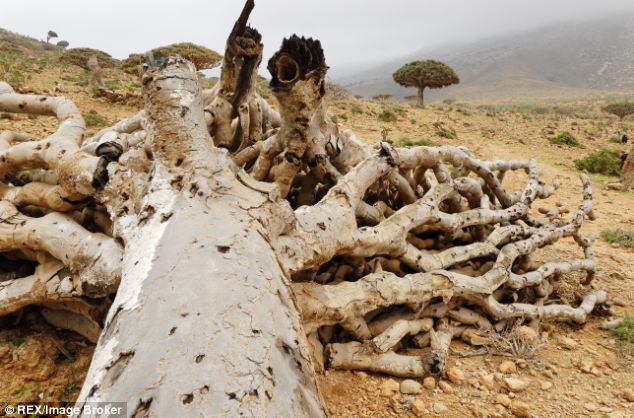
{"points": [[579, 57]]}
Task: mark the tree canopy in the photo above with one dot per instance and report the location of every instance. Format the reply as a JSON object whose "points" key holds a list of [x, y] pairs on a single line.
{"points": [[429, 73], [620, 109], [80, 56]]}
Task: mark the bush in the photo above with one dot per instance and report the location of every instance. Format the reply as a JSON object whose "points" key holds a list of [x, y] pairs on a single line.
{"points": [[624, 330], [618, 236], [356, 109], [93, 118], [604, 161], [80, 56], [202, 57], [445, 132], [418, 143], [387, 116], [567, 139]]}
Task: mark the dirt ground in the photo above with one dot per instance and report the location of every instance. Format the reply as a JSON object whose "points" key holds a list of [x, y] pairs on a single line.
{"points": [[580, 371]]}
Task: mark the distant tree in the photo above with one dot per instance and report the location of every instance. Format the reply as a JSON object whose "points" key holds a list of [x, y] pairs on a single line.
{"points": [[620, 109], [51, 34], [382, 97], [410, 97], [63, 44], [423, 74]]}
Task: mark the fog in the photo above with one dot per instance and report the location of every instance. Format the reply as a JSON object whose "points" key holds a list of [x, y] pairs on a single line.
{"points": [[354, 33]]}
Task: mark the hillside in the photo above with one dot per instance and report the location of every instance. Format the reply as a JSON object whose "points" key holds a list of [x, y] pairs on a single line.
{"points": [[560, 60]]}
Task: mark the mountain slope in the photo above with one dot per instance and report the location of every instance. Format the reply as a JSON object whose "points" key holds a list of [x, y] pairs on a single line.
{"points": [[596, 55]]}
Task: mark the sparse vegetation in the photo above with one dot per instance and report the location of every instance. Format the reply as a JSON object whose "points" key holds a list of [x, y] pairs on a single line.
{"points": [[382, 97], [418, 143], [356, 109], [624, 331], [604, 161], [93, 118], [618, 236], [444, 131], [566, 139], [387, 116]]}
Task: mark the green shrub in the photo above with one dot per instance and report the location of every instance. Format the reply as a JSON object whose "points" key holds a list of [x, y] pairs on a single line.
{"points": [[93, 118], [624, 331], [618, 236], [445, 132], [567, 139], [387, 116], [356, 109], [604, 161], [418, 143]]}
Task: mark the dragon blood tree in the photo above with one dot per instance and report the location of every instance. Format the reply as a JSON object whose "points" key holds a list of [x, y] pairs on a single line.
{"points": [[424, 74], [221, 252]]}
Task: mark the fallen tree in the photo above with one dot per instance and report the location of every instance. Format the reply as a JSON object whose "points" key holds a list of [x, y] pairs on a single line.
{"points": [[249, 249]]}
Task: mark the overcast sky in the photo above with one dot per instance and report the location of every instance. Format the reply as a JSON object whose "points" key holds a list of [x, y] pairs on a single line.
{"points": [[354, 33]]}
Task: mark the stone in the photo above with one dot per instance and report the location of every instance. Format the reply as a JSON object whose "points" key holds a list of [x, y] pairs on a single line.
{"points": [[411, 387], [592, 407], [389, 387], [516, 385], [547, 385], [487, 380], [445, 386], [455, 375], [418, 408], [568, 343], [628, 395], [439, 408], [429, 383], [503, 400], [520, 409], [508, 367]]}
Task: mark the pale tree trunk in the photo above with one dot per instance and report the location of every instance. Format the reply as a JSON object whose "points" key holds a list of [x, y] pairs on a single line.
{"points": [[204, 323]]}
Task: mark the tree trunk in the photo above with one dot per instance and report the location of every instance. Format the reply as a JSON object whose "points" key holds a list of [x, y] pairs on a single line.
{"points": [[204, 323], [627, 172], [421, 97]]}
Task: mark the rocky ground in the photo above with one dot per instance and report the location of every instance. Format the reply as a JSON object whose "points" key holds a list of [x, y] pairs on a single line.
{"points": [[569, 371]]}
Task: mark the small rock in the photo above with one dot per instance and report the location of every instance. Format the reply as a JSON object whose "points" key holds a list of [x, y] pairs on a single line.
{"points": [[487, 380], [445, 386], [389, 387], [547, 385], [628, 395], [528, 334], [515, 384], [439, 408], [508, 367], [455, 375], [503, 400], [568, 343], [429, 383], [418, 408], [592, 407], [411, 387], [520, 409]]}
